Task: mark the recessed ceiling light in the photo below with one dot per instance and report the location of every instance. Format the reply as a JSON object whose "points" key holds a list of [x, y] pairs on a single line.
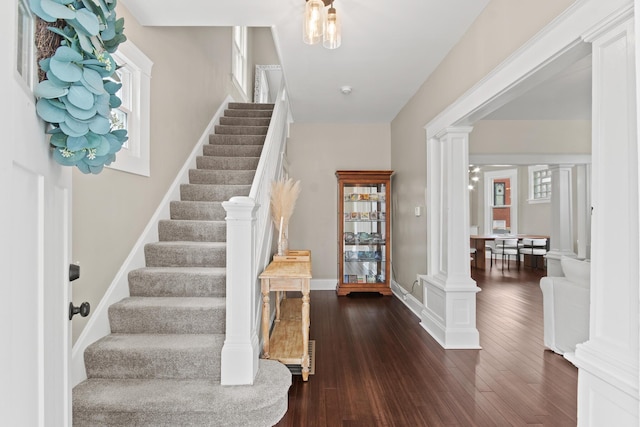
{"points": [[346, 90]]}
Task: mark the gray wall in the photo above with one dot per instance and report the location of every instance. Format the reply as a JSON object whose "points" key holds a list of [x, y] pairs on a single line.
{"points": [[316, 151], [501, 28]]}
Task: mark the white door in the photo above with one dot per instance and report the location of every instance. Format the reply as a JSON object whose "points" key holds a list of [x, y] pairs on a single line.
{"points": [[34, 255]]}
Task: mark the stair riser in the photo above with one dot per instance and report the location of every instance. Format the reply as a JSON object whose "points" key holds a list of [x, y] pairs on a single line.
{"points": [[184, 256], [192, 231], [232, 150], [116, 356], [240, 130], [192, 210], [244, 121], [145, 282], [248, 113], [236, 139], [201, 192], [193, 365], [166, 320], [228, 177], [227, 163]]}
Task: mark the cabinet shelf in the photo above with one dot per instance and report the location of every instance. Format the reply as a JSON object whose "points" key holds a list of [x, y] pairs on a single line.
{"points": [[364, 226]]}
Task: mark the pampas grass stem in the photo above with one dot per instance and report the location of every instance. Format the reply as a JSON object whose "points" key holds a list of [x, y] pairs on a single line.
{"points": [[284, 194]]}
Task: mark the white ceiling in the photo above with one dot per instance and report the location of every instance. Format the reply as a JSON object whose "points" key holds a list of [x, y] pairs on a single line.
{"points": [[388, 49]]}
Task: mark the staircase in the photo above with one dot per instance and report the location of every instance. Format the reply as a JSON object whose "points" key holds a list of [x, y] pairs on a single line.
{"points": [[160, 366]]}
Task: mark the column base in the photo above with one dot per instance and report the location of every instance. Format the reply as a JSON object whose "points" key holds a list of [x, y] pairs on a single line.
{"points": [[607, 389], [449, 313]]}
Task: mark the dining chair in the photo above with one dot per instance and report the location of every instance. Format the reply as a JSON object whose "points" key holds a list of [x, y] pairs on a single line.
{"points": [[506, 247], [537, 248]]}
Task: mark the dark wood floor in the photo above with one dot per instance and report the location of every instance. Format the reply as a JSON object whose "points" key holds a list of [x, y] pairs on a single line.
{"points": [[376, 366]]}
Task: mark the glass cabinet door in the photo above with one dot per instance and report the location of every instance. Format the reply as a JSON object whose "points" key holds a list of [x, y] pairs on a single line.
{"points": [[364, 234]]}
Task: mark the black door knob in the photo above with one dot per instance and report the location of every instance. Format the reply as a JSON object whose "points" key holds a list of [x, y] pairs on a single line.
{"points": [[74, 272], [83, 310]]}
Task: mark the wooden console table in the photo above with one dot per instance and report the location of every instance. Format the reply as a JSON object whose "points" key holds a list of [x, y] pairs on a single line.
{"points": [[289, 342]]}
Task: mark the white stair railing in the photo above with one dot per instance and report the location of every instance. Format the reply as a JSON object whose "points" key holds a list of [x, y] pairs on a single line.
{"points": [[249, 250]]}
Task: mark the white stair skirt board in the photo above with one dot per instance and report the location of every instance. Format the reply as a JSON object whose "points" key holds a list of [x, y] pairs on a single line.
{"points": [[449, 313]]}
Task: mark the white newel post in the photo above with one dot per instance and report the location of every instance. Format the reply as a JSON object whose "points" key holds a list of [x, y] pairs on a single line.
{"points": [[241, 347], [607, 363], [561, 239], [449, 312]]}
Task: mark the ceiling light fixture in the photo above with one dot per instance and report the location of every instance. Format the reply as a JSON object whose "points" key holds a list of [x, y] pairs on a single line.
{"points": [[319, 25]]}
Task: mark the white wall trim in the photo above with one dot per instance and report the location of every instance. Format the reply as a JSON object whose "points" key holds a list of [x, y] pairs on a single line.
{"points": [[406, 298], [529, 159], [545, 53], [98, 324]]}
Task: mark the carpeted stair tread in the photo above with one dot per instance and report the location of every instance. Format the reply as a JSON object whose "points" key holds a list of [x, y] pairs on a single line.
{"points": [[250, 106], [178, 282], [227, 163], [196, 402], [186, 254], [245, 121], [240, 130], [227, 177], [171, 230], [180, 356], [168, 315], [197, 210], [232, 150], [161, 364], [218, 139], [212, 192]]}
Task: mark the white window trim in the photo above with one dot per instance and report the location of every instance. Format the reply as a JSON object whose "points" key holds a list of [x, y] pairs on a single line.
{"points": [[27, 83], [136, 158], [241, 81], [489, 177], [531, 199]]}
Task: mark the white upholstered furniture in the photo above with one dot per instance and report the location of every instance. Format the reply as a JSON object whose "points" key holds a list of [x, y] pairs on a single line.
{"points": [[566, 306]]}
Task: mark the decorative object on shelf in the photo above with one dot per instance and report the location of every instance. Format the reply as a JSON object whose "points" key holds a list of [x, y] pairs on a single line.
{"points": [[320, 25], [284, 194], [78, 90]]}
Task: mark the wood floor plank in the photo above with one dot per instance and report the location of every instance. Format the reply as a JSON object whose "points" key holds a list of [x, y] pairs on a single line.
{"points": [[377, 367]]}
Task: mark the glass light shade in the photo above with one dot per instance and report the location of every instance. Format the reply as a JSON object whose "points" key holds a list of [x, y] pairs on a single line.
{"points": [[332, 32], [313, 21]]}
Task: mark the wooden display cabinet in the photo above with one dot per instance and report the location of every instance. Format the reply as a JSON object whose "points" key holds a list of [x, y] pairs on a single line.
{"points": [[364, 218]]}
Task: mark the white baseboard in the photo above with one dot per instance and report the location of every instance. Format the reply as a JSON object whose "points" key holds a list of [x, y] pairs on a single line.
{"points": [[408, 299], [98, 324], [323, 284]]}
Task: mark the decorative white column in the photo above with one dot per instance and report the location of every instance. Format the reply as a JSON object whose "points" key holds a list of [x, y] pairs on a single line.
{"points": [[241, 346], [561, 218], [449, 312], [583, 197], [607, 363]]}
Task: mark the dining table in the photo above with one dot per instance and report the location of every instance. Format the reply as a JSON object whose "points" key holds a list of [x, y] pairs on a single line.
{"points": [[478, 241]]}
